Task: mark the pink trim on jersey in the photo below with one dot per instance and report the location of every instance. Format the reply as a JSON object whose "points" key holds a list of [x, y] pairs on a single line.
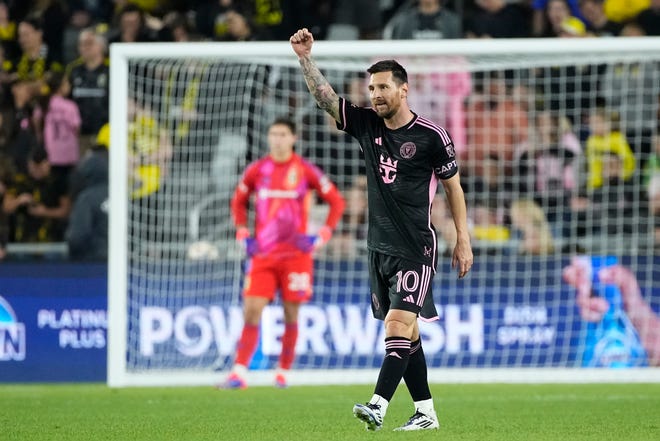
{"points": [[428, 320], [343, 113], [424, 285], [412, 123], [436, 128], [433, 187]]}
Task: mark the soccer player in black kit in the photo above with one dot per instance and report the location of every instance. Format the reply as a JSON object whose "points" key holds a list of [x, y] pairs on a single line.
{"points": [[405, 155]]}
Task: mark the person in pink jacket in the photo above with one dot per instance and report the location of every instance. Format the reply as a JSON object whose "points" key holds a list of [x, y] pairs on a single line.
{"points": [[61, 127]]}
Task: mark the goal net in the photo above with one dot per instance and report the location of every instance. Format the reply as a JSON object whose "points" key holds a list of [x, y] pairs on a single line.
{"points": [[558, 149]]}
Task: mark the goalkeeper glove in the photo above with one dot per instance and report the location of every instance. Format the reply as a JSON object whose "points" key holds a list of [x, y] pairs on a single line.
{"points": [[323, 236], [242, 233]]}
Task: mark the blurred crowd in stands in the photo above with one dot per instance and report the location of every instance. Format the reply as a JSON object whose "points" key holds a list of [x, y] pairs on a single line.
{"points": [[54, 105]]}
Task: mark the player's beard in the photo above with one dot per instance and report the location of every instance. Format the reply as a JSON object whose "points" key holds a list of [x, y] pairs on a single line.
{"points": [[386, 113]]}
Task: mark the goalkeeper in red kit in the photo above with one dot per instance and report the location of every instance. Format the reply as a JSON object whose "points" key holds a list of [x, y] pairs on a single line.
{"points": [[280, 249]]}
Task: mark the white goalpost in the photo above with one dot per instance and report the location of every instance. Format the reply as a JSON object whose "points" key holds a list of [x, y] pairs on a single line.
{"points": [[186, 118]]}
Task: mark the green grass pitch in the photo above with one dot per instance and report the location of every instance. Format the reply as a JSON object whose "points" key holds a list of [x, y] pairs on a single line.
{"points": [[599, 412]]}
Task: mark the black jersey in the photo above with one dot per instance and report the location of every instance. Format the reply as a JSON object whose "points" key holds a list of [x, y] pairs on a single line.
{"points": [[403, 167], [89, 90]]}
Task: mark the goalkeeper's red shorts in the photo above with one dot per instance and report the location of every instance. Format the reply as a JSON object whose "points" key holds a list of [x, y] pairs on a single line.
{"points": [[292, 276]]}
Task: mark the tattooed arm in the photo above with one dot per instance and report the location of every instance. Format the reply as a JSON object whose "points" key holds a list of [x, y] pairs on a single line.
{"points": [[321, 90]]}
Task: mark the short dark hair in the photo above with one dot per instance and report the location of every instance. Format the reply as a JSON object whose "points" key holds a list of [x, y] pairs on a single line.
{"points": [[398, 72], [35, 21], [284, 121]]}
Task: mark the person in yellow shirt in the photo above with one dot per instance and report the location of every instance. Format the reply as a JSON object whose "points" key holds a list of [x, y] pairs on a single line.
{"points": [[606, 139], [150, 152], [621, 11]]}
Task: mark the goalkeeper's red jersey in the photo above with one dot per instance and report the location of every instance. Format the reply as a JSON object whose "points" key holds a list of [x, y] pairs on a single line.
{"points": [[282, 199]]}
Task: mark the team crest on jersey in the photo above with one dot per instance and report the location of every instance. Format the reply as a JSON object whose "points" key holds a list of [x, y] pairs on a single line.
{"points": [[387, 169], [408, 150], [292, 177], [451, 152]]}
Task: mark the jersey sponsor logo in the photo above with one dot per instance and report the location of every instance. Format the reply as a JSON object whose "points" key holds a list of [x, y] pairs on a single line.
{"points": [[266, 193], [387, 169], [378, 141], [451, 151], [445, 168], [408, 150], [409, 299]]}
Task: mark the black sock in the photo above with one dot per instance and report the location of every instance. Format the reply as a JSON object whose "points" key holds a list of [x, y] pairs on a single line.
{"points": [[397, 353], [416, 377]]}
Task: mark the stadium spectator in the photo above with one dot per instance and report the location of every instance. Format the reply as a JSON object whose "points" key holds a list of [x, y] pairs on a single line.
{"points": [[596, 20], [556, 11], [570, 90], [6, 76], [53, 15], [22, 135], [429, 20], [389, 8], [148, 6], [210, 18], [150, 151], [318, 14], [592, 308], [530, 220], [612, 208], [621, 11], [87, 232], [606, 138], [637, 111], [85, 13], [497, 126], [8, 34], [541, 12], [37, 203], [401, 241], [498, 19], [241, 28], [61, 127], [489, 195], [362, 18], [497, 129], [352, 230], [89, 76], [36, 58], [547, 170], [649, 19], [177, 28], [275, 17], [571, 27], [131, 26], [282, 255]]}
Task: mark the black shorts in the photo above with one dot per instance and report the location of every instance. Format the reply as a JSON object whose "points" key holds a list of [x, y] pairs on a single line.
{"points": [[400, 284]]}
